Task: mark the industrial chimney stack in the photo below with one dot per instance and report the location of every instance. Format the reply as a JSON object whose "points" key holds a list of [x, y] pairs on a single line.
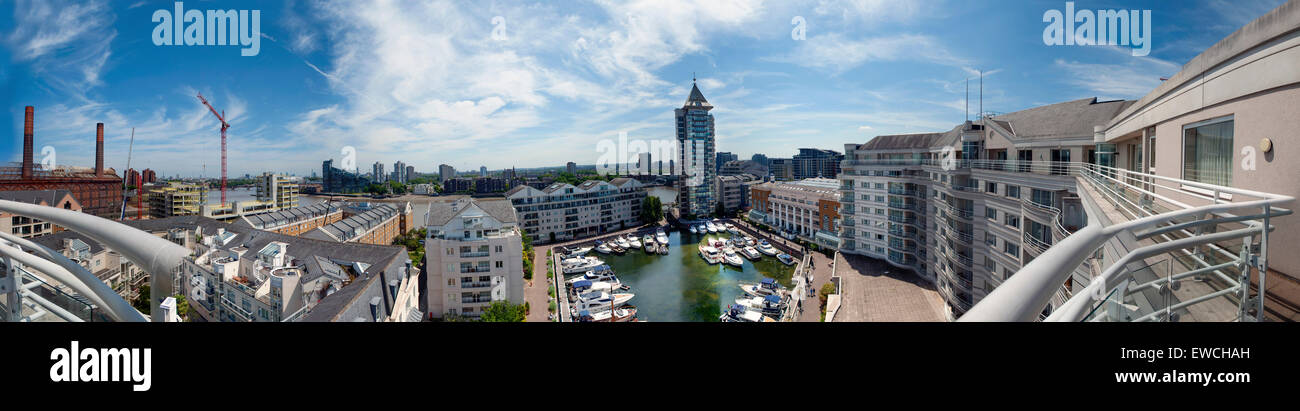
{"points": [[27, 142], [99, 149]]}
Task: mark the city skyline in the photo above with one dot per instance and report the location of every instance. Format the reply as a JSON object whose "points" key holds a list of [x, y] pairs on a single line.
{"points": [[866, 68]]}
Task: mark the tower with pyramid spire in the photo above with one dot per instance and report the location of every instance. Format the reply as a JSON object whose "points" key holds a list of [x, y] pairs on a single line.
{"points": [[697, 195]]}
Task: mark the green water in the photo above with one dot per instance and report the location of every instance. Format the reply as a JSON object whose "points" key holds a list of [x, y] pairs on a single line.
{"points": [[680, 286]]}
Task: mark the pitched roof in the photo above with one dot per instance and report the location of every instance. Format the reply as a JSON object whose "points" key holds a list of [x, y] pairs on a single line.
{"points": [[499, 208], [696, 99], [49, 197], [1068, 119]]}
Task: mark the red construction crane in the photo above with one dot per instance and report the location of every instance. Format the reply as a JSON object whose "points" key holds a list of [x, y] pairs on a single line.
{"points": [[224, 125]]}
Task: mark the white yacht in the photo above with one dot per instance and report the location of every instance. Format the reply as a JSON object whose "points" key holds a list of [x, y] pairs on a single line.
{"points": [[738, 313], [622, 242], [770, 304], [661, 237], [577, 251], [710, 254], [750, 253], [633, 242], [583, 286], [580, 264], [602, 273], [731, 228], [692, 228], [648, 240], [767, 248], [713, 229], [730, 256], [603, 249], [619, 315], [764, 288], [597, 301]]}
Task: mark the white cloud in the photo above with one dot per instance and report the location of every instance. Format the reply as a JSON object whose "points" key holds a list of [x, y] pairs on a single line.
{"points": [[836, 53], [1130, 80], [66, 44]]}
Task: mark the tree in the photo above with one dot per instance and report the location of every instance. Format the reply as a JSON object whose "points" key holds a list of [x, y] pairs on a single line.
{"points": [[182, 306], [503, 312], [652, 210], [142, 301]]}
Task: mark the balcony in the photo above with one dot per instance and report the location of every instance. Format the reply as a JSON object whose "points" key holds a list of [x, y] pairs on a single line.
{"points": [[1178, 231]]}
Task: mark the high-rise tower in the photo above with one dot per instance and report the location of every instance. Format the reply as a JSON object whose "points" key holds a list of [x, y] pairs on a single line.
{"points": [[695, 148]]}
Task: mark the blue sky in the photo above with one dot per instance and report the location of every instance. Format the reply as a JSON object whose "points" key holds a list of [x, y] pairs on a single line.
{"points": [[426, 83]]}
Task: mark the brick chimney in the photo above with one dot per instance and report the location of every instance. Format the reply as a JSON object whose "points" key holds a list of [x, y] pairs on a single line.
{"points": [[27, 142], [99, 149]]}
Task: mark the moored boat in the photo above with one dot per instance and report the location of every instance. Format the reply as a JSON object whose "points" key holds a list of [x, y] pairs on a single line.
{"points": [[786, 259], [763, 288], [730, 257], [750, 253], [766, 248]]}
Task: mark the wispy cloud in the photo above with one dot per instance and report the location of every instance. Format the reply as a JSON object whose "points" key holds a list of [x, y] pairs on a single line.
{"points": [[837, 53]]}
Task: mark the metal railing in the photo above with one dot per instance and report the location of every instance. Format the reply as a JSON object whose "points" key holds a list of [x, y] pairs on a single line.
{"points": [[1188, 220]]}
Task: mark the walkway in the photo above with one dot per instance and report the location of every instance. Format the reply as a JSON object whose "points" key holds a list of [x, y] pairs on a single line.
{"points": [[876, 291], [535, 291]]}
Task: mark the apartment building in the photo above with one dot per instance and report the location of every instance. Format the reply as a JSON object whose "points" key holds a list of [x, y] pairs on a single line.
{"points": [[259, 276], [808, 209], [27, 227], [782, 169], [177, 199], [446, 172], [368, 223], [278, 189], [294, 221], [695, 150], [733, 192], [1006, 193], [108, 266], [815, 163], [563, 211], [1014, 185], [474, 256]]}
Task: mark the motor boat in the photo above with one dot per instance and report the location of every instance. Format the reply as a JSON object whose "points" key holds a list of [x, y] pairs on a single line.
{"points": [[710, 254], [619, 315], [763, 288], [787, 259], [731, 258], [580, 264], [602, 273], [577, 251], [739, 314], [583, 286], [769, 304], [692, 229], [750, 253], [750, 241], [648, 239], [663, 249], [661, 237], [622, 242], [767, 248], [713, 229], [603, 249], [633, 242], [597, 301], [718, 243], [731, 228]]}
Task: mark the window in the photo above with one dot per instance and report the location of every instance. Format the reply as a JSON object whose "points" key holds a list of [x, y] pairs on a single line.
{"points": [[991, 187], [499, 264], [1013, 191], [1013, 249], [1013, 221], [1207, 151], [991, 213], [990, 239]]}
